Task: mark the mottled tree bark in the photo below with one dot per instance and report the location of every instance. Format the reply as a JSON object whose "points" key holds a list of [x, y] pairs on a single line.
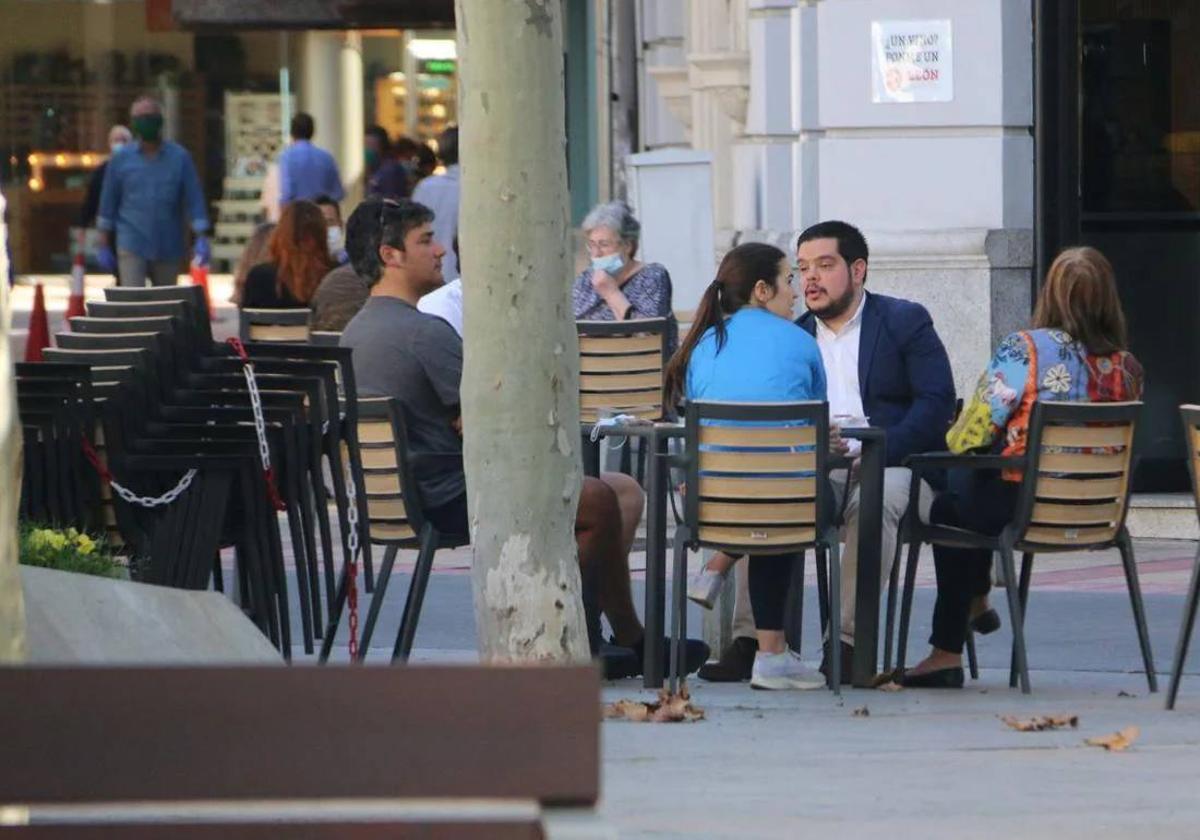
{"points": [[521, 369], [12, 616]]}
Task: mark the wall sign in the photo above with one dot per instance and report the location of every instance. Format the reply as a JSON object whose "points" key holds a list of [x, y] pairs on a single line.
{"points": [[912, 61]]}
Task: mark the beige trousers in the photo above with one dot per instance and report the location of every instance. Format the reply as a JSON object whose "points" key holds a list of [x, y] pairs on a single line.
{"points": [[896, 483]]}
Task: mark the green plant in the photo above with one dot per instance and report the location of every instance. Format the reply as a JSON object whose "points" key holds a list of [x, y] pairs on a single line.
{"points": [[68, 551]]}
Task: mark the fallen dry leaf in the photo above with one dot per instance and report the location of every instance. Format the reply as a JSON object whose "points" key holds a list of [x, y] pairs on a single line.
{"points": [[862, 711], [1116, 742], [890, 686], [670, 708], [1040, 723]]}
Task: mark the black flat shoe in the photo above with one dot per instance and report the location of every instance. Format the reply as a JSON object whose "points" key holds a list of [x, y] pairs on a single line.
{"points": [[941, 678], [986, 622]]}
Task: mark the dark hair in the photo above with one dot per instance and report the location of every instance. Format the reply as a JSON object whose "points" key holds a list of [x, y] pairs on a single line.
{"points": [[1080, 297], [737, 276], [366, 232], [379, 133], [427, 159], [302, 126], [448, 146], [852, 245], [324, 200]]}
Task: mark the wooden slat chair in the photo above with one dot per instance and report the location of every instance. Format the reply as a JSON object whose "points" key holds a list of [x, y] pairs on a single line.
{"points": [[391, 504], [1074, 497], [756, 485], [621, 368], [273, 324], [324, 338], [1191, 435], [263, 753]]}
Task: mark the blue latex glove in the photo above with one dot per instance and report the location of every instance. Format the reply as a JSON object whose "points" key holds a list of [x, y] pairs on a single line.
{"points": [[106, 259], [201, 251]]}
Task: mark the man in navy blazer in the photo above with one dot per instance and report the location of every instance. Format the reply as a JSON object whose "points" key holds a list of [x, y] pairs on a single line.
{"points": [[884, 364]]}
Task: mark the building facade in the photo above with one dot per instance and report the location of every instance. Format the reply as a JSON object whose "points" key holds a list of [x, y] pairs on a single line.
{"points": [[1025, 126]]}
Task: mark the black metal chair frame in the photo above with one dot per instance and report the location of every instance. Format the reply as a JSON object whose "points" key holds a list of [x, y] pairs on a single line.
{"points": [[1190, 414], [1015, 537], [825, 542], [425, 537]]}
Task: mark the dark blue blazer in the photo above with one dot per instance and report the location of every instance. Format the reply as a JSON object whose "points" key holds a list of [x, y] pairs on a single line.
{"points": [[904, 375]]}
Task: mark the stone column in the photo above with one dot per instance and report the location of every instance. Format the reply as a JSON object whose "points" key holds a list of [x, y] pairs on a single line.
{"points": [[719, 77], [665, 98], [321, 89], [935, 182], [351, 118]]}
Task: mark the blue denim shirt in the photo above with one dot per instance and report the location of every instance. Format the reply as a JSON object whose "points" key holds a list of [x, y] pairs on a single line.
{"points": [[307, 171], [143, 198]]}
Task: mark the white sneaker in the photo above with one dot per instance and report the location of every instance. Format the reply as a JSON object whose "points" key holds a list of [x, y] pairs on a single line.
{"points": [[705, 587], [782, 671]]}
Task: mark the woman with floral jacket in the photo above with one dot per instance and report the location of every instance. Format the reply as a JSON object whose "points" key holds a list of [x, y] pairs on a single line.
{"points": [[1077, 352]]}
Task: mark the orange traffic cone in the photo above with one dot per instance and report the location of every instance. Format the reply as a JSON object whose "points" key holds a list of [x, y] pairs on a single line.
{"points": [[39, 328], [200, 278], [75, 302]]}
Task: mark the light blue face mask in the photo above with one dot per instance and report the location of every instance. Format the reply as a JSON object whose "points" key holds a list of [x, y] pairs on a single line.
{"points": [[609, 265]]}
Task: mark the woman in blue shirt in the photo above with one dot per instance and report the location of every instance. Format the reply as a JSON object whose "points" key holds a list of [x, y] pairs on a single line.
{"points": [[743, 347]]}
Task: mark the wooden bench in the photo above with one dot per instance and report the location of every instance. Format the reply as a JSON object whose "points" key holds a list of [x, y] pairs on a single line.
{"points": [[269, 752]]}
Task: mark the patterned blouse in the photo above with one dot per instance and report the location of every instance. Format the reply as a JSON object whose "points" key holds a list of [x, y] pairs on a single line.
{"points": [[648, 291], [1038, 365]]}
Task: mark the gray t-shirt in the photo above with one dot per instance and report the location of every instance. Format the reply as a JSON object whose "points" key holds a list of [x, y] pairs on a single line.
{"points": [[400, 352]]}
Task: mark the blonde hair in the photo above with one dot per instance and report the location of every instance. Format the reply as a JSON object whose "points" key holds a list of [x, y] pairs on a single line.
{"points": [[1080, 298], [254, 253]]}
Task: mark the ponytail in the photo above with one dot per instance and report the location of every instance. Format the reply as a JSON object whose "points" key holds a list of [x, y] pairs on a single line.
{"points": [[732, 289], [708, 314]]}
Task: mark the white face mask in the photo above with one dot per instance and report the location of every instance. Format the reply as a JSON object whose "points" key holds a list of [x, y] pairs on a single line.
{"points": [[333, 236]]}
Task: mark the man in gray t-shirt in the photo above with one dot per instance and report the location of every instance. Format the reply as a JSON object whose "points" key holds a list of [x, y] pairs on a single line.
{"points": [[401, 352], [417, 358]]}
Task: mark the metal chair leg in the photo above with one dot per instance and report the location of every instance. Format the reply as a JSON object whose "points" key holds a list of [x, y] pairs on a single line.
{"points": [[835, 616], [1185, 632], [335, 615], [678, 608], [890, 613], [972, 658], [910, 582], [1016, 615], [416, 594], [822, 586], [385, 574], [1023, 591], [1125, 544]]}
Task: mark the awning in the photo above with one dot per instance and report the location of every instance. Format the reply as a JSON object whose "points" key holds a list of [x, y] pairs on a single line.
{"points": [[313, 14]]}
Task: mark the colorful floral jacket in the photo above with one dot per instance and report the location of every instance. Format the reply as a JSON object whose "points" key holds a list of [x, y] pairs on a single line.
{"points": [[1037, 365]]}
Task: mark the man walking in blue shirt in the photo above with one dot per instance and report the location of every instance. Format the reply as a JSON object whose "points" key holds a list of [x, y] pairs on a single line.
{"points": [[148, 185], [307, 171]]}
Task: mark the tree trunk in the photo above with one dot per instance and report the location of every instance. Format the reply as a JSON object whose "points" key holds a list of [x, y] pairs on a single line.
{"points": [[521, 368], [12, 616]]}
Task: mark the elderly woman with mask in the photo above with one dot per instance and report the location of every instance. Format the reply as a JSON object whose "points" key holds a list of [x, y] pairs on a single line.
{"points": [[617, 286]]}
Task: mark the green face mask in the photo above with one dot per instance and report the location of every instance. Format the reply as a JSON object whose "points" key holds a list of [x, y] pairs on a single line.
{"points": [[148, 127]]}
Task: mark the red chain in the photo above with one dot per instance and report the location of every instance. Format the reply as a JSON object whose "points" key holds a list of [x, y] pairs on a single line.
{"points": [[273, 497], [93, 457], [352, 602]]}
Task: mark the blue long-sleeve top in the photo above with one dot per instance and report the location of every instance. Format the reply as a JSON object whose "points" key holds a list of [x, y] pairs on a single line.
{"points": [[144, 196]]}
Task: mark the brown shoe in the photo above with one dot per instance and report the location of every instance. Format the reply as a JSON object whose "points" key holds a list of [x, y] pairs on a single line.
{"points": [[735, 664]]}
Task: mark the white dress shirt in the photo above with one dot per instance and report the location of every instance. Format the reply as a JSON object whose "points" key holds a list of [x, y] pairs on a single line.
{"points": [[446, 303], [839, 353]]}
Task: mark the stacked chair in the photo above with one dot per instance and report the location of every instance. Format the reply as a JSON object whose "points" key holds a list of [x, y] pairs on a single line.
{"points": [[139, 387]]}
